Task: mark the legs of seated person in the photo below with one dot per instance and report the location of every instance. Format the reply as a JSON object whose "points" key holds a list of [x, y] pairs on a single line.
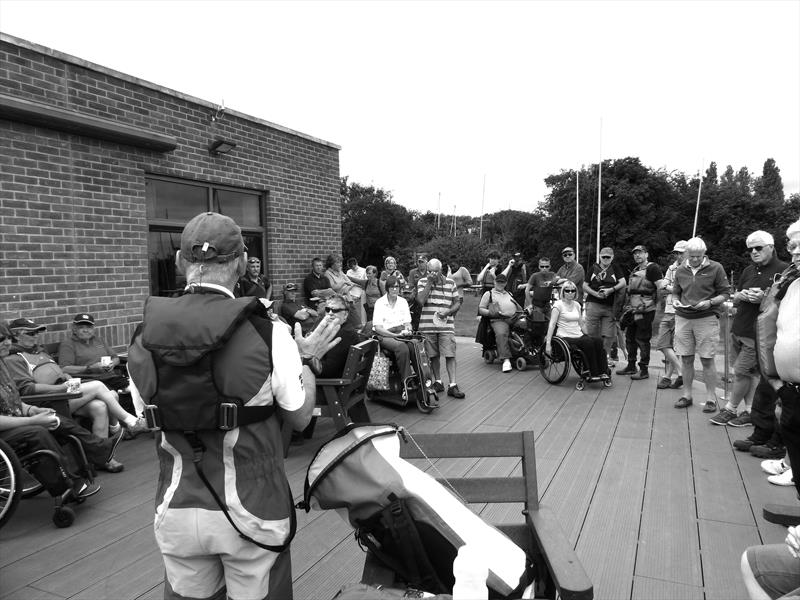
{"points": [[770, 572], [30, 438], [96, 449], [97, 411], [204, 557], [593, 353], [501, 329], [401, 354], [96, 390]]}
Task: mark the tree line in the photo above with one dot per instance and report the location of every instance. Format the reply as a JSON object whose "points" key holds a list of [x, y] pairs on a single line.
{"points": [[639, 205]]}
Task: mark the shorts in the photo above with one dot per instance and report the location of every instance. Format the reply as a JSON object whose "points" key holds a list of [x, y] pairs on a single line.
{"points": [[696, 336], [666, 332], [600, 320], [743, 352], [775, 570], [440, 343]]}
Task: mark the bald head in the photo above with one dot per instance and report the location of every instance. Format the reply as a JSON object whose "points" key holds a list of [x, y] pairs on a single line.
{"points": [[435, 264]]}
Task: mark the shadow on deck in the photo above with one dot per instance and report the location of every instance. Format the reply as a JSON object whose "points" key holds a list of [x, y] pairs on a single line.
{"points": [[655, 500]]}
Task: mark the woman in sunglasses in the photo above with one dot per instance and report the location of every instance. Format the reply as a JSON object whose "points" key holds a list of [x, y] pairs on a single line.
{"points": [[566, 317], [337, 308]]}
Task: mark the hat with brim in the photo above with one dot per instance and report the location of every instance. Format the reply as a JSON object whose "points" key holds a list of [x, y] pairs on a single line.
{"points": [[83, 318], [212, 237], [23, 324], [568, 249], [680, 246], [639, 248]]}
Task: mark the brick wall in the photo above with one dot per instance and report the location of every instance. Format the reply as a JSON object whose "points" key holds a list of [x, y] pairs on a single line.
{"points": [[72, 208]]}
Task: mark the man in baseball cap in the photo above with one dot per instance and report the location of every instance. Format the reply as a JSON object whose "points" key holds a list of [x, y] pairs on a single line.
{"points": [[211, 237], [26, 325]]}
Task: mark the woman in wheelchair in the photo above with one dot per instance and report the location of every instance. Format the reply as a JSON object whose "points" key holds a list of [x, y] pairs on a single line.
{"points": [[391, 319], [28, 429], [501, 308], [566, 317]]}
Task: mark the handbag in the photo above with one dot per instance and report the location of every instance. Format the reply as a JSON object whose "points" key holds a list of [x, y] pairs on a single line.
{"points": [[379, 373]]}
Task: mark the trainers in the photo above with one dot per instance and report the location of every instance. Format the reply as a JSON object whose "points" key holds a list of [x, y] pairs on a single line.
{"points": [[683, 402], [112, 466], [455, 392], [743, 420], [85, 488], [138, 428], [113, 429], [629, 370], [438, 387], [784, 478], [723, 417], [678, 383], [113, 442], [664, 383], [642, 374], [506, 366], [774, 467], [710, 406], [768, 450], [745, 444]]}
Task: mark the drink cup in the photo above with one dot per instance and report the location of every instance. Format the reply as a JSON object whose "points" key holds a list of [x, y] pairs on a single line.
{"points": [[73, 385], [105, 361], [57, 424]]}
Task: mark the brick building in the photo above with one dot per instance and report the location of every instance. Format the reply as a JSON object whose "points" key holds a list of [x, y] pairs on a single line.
{"points": [[99, 171]]}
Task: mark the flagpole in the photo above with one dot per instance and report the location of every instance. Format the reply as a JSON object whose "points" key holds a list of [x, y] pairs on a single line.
{"points": [[483, 199], [599, 187], [697, 205], [577, 211], [439, 213]]}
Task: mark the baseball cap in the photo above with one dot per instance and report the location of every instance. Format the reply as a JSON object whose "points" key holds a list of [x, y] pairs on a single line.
{"points": [[23, 324], [568, 249], [254, 259], [680, 246], [760, 238], [639, 248], [83, 318], [606, 252], [211, 237], [290, 287]]}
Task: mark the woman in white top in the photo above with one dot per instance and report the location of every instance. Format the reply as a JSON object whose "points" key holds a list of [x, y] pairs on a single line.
{"points": [[390, 320], [501, 316], [566, 315], [342, 284]]}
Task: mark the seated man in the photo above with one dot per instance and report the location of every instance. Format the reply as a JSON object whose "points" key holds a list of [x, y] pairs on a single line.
{"points": [[294, 312], [86, 355], [31, 428], [97, 402], [252, 283]]}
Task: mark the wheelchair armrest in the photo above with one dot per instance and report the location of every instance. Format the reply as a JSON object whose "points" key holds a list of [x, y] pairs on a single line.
{"points": [[58, 401]]}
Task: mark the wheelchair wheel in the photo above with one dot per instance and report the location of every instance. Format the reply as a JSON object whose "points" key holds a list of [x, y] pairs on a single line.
{"points": [[520, 363], [607, 383], [555, 365], [581, 385], [489, 356], [63, 516], [30, 486], [10, 480]]}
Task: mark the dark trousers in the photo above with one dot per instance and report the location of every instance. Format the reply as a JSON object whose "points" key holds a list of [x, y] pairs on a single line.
{"points": [[593, 351], [637, 336], [762, 414], [790, 424]]}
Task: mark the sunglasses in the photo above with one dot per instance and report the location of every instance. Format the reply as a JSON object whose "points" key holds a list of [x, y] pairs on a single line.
{"points": [[570, 291], [567, 253], [330, 310], [544, 266], [606, 257], [755, 248], [29, 333]]}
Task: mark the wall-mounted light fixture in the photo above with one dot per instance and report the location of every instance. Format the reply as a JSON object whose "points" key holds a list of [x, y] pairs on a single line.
{"points": [[220, 146]]}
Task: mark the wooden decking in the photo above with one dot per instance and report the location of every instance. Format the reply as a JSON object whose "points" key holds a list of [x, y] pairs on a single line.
{"points": [[655, 500]]}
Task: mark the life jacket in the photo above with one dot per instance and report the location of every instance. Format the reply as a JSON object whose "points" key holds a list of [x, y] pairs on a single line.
{"points": [[641, 291], [767, 321], [187, 397]]}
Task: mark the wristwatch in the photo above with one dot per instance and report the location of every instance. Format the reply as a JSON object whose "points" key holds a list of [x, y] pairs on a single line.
{"points": [[313, 363]]}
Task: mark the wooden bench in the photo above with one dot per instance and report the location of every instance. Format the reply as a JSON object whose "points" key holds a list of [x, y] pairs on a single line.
{"points": [[343, 399], [559, 570]]}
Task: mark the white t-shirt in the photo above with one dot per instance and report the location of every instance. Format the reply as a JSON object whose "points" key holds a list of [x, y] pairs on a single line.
{"points": [[391, 316], [569, 321]]}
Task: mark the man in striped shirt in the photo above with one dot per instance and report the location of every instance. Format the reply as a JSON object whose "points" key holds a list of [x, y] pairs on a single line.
{"points": [[439, 299]]}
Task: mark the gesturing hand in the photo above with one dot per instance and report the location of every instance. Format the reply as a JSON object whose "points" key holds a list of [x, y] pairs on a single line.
{"points": [[319, 341]]}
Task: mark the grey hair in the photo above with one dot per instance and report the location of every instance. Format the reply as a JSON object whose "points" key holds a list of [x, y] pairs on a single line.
{"points": [[793, 229], [696, 244], [224, 274]]}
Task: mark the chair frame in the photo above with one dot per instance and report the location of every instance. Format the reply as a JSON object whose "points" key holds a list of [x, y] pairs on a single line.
{"points": [[559, 569]]}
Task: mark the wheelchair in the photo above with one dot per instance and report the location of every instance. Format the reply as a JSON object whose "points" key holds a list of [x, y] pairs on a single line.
{"points": [[417, 388], [523, 352], [555, 366], [16, 483]]}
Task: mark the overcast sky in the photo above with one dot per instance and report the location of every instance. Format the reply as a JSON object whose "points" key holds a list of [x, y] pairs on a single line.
{"points": [[428, 98]]}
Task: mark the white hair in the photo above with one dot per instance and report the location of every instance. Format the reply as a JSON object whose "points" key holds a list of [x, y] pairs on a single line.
{"points": [[696, 244], [760, 237], [794, 229], [224, 274]]}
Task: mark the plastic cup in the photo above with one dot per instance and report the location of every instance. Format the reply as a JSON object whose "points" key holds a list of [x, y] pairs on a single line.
{"points": [[105, 361], [73, 385]]}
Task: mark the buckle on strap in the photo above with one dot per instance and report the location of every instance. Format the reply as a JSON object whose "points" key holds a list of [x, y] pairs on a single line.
{"points": [[228, 416], [152, 416]]}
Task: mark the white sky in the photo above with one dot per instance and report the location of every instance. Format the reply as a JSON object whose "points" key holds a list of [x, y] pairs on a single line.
{"points": [[427, 98]]}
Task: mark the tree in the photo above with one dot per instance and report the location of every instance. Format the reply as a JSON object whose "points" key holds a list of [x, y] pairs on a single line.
{"points": [[769, 187]]}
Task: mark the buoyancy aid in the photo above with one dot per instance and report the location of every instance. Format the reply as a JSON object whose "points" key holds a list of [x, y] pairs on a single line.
{"points": [[641, 291]]}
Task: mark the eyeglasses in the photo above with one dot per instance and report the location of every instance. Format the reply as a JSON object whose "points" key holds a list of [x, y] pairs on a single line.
{"points": [[570, 291], [755, 248], [793, 245], [330, 310], [605, 257], [567, 254]]}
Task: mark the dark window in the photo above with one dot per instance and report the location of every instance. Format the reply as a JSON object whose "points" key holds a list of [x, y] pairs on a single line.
{"points": [[171, 203]]}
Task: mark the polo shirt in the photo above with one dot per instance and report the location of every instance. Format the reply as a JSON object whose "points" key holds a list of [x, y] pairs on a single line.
{"points": [[441, 297], [74, 352]]}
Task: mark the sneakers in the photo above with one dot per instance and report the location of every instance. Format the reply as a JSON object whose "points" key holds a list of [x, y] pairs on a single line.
{"points": [[455, 392], [113, 429], [683, 402], [629, 370], [112, 466], [710, 406], [664, 383], [774, 467], [438, 387], [745, 444], [138, 428], [784, 478], [724, 417], [642, 374], [506, 366], [768, 450], [84, 488], [743, 420], [113, 442], [678, 383]]}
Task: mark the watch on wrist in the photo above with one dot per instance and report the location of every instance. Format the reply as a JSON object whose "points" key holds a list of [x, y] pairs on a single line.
{"points": [[313, 363]]}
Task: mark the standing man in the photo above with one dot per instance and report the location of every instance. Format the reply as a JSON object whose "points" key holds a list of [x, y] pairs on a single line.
{"points": [[606, 279], [571, 270], [666, 328], [417, 273], [317, 285], [212, 369], [517, 274], [539, 288], [486, 276], [439, 300], [699, 290], [644, 281], [253, 283], [754, 281], [459, 274]]}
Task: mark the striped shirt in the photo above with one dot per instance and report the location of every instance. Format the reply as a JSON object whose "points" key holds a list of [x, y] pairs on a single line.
{"points": [[440, 298]]}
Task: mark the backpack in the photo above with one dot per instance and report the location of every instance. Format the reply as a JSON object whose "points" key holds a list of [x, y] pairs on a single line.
{"points": [[410, 522]]}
